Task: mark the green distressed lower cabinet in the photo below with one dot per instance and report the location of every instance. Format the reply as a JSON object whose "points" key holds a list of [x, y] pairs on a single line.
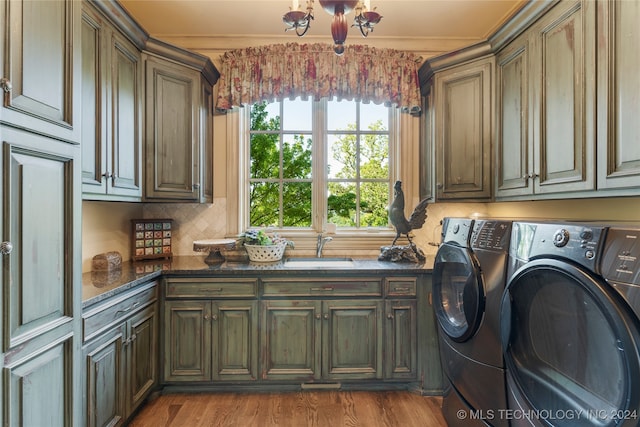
{"points": [[121, 360], [313, 340], [210, 329], [294, 330], [210, 340]]}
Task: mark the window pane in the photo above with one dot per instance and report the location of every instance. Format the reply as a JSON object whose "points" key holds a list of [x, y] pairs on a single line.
{"points": [[296, 157], [265, 156], [296, 200], [264, 204], [296, 115], [341, 114], [374, 200], [265, 116], [341, 204], [374, 156], [342, 156], [374, 117]]}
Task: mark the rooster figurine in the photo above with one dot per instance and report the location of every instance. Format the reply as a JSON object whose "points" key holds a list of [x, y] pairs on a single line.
{"points": [[396, 214]]}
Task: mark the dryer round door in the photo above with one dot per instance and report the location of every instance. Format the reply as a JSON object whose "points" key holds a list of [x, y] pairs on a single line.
{"points": [[571, 346], [458, 293]]}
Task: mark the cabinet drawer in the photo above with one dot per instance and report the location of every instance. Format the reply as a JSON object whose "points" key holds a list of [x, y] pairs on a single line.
{"points": [[400, 286], [211, 288], [331, 287], [104, 316]]}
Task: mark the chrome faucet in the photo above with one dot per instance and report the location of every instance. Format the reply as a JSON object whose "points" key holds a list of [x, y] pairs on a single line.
{"points": [[321, 241]]}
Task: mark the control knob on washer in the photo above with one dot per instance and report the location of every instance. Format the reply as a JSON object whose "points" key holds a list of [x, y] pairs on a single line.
{"points": [[561, 238]]}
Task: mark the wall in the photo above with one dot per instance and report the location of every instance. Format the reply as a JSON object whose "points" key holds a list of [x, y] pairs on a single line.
{"points": [[106, 226], [605, 209]]}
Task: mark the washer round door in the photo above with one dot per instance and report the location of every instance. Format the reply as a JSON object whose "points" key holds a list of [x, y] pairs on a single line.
{"points": [[571, 346], [458, 292]]}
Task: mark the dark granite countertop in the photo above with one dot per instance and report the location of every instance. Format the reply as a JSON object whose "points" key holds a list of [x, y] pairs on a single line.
{"points": [[97, 286]]}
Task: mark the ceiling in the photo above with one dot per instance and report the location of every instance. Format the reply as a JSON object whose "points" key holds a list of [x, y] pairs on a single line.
{"points": [[465, 21]]}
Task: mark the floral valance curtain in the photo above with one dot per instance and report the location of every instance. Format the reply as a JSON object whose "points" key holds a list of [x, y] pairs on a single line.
{"points": [[289, 70]]}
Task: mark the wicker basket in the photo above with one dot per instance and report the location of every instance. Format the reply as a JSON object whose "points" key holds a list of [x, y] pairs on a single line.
{"points": [[267, 253]]}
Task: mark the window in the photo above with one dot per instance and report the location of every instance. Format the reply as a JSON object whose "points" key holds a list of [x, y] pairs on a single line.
{"points": [[316, 162]]}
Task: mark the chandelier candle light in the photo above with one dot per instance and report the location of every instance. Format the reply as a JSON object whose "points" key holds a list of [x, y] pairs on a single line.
{"points": [[365, 19]]}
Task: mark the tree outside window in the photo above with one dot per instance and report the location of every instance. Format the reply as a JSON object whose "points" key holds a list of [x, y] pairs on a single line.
{"points": [[352, 147]]}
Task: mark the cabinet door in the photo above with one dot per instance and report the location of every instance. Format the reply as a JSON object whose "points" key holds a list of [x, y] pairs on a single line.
{"points": [[206, 124], [105, 380], [172, 141], [514, 151], [291, 340], [463, 103], [40, 297], [38, 67], [38, 388], [187, 341], [562, 75], [618, 95], [126, 122], [401, 339], [235, 340], [352, 339], [95, 77], [142, 352]]}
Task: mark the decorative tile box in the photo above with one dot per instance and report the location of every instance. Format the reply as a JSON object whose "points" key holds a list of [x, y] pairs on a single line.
{"points": [[151, 238]]}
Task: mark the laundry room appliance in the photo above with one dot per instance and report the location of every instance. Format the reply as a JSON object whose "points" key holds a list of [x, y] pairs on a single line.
{"points": [[469, 276], [570, 339]]}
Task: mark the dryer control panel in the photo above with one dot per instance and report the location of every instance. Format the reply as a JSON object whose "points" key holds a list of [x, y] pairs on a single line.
{"points": [[577, 242], [491, 235], [621, 256], [457, 230]]}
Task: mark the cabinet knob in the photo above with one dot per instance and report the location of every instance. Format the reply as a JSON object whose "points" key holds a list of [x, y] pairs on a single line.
{"points": [[107, 175], [5, 85], [196, 186], [390, 316], [6, 248], [206, 317], [214, 317], [326, 316], [318, 316]]}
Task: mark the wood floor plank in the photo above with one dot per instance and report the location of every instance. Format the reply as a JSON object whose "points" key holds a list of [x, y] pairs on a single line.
{"points": [[295, 409]]}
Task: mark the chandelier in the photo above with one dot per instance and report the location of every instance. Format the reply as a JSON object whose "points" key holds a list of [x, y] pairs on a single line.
{"points": [[365, 19]]}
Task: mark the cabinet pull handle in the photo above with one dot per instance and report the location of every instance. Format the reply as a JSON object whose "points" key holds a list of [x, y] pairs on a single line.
{"points": [[401, 289], [6, 85], [6, 248], [131, 307], [216, 290], [196, 186], [324, 289], [133, 338]]}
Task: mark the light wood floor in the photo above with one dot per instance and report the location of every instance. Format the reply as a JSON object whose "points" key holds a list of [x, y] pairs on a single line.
{"points": [[295, 409]]}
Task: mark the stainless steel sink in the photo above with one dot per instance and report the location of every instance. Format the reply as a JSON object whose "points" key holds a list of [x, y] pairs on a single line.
{"points": [[318, 263]]}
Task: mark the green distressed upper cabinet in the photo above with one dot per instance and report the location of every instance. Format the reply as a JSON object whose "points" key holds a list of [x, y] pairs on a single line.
{"points": [[112, 93], [545, 139], [618, 95], [462, 108], [39, 64], [178, 132]]}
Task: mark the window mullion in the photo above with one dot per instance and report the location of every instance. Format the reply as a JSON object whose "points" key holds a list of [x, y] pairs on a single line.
{"points": [[319, 156]]}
